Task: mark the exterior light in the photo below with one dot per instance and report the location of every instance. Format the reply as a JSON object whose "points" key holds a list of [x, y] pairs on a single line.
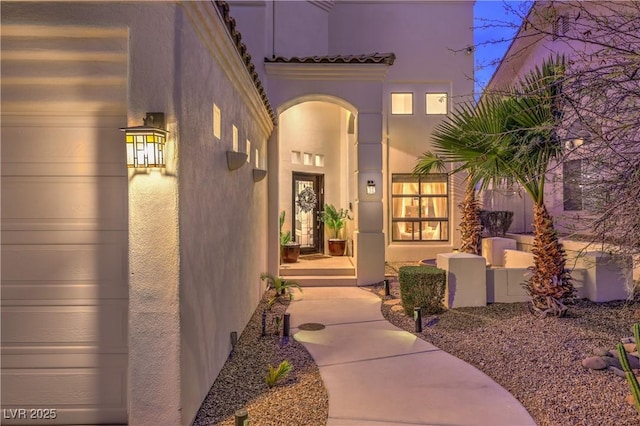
{"points": [[145, 144], [371, 187], [417, 317]]}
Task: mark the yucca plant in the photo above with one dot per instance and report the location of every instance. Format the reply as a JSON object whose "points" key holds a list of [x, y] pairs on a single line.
{"points": [[277, 374]]}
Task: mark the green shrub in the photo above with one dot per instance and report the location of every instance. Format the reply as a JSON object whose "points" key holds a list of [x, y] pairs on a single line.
{"points": [[422, 286], [278, 373]]}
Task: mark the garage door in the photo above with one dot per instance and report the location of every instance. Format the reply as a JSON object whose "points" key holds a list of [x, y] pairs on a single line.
{"points": [[64, 225]]}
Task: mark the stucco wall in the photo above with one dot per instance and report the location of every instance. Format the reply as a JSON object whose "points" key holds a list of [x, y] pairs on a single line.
{"points": [[423, 36], [154, 347], [223, 218], [197, 232]]}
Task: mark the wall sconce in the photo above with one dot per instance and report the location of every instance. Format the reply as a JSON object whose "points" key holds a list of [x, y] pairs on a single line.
{"points": [[145, 144], [371, 187], [259, 174], [235, 160]]}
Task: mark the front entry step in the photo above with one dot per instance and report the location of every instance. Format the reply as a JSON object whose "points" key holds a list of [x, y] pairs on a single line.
{"points": [[314, 270], [324, 280], [321, 271]]}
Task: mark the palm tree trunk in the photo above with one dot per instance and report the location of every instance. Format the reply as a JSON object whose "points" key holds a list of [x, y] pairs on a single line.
{"points": [[551, 283], [470, 224]]}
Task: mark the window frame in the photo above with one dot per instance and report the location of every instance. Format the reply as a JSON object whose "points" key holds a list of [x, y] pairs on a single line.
{"points": [[583, 183], [443, 221], [426, 103], [413, 108]]}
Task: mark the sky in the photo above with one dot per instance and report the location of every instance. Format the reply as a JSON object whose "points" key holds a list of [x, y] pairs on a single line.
{"points": [[501, 23]]}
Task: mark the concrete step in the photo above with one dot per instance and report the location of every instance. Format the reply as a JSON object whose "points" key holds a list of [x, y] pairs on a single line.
{"points": [[316, 271], [324, 280]]}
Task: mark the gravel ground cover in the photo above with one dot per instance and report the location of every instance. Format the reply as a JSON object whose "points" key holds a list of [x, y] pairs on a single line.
{"points": [[300, 399], [537, 360]]}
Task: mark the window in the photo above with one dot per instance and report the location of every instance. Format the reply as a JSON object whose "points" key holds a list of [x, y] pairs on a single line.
{"points": [[216, 121], [436, 103], [402, 103], [235, 138], [296, 157], [307, 159], [420, 207], [248, 151], [581, 190], [560, 27]]}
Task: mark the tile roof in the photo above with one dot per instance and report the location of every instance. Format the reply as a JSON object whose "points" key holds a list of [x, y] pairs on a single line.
{"points": [[373, 58], [236, 37]]}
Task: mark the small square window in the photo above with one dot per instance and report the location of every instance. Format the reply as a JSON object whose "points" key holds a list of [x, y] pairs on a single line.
{"points": [[436, 103], [296, 157], [216, 121], [235, 139], [308, 159], [402, 103], [319, 159]]}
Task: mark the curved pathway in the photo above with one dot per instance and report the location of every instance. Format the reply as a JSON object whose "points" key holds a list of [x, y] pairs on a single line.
{"points": [[377, 374]]}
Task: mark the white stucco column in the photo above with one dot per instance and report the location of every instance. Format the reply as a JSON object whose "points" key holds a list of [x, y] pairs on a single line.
{"points": [[154, 317], [273, 238], [369, 235]]}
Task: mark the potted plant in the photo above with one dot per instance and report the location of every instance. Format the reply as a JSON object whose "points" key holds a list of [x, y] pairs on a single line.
{"points": [[335, 220], [289, 250]]}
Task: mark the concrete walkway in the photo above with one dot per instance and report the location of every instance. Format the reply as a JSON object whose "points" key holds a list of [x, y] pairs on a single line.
{"points": [[379, 375]]}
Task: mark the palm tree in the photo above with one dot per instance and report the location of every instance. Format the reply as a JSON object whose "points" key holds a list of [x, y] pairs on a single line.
{"points": [[470, 228], [513, 138]]}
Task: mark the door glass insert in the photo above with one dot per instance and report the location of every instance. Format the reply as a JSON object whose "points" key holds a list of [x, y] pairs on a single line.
{"points": [[307, 199]]}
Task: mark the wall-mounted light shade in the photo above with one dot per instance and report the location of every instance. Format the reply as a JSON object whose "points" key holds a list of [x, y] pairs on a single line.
{"points": [[371, 187], [259, 174], [235, 159], [145, 144]]}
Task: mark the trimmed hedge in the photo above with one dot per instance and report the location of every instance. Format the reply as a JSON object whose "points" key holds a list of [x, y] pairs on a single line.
{"points": [[422, 286]]}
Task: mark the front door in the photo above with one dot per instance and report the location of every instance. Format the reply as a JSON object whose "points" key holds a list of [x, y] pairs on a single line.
{"points": [[308, 199]]}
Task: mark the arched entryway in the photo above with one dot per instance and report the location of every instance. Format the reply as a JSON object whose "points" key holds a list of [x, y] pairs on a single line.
{"points": [[316, 139]]}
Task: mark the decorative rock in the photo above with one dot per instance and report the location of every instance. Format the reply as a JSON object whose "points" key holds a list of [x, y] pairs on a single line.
{"points": [[634, 362], [612, 362], [630, 400], [628, 340], [630, 347], [601, 352], [397, 308], [594, 363], [391, 302], [617, 372], [602, 362]]}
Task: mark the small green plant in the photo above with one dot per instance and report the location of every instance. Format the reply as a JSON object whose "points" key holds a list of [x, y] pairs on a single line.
{"points": [[422, 286], [275, 375], [276, 323], [285, 237], [280, 285], [335, 219]]}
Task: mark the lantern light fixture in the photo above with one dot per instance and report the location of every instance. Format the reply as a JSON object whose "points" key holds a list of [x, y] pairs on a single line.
{"points": [[371, 187], [145, 144]]}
